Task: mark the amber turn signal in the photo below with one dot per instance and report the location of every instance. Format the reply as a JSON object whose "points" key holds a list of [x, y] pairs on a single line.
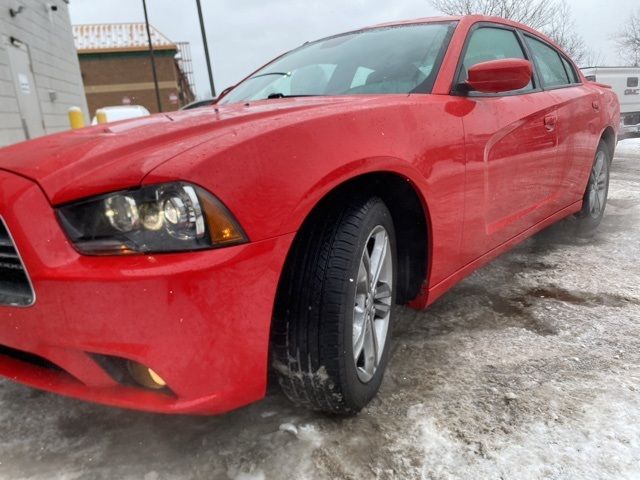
{"points": [[222, 227]]}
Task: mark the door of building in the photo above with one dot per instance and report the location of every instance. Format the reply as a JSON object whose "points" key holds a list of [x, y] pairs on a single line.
{"points": [[26, 92]]}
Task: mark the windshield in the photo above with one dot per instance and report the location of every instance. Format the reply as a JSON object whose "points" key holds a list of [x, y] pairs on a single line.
{"points": [[398, 59]]}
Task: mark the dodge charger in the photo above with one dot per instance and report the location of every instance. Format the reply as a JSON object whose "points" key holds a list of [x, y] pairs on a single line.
{"points": [[178, 262]]}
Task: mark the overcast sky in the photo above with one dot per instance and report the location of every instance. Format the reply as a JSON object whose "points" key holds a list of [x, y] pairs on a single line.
{"points": [[245, 34]]}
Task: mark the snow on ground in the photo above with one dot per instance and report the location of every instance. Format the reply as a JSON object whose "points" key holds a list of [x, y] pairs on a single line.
{"points": [[529, 369], [629, 147]]}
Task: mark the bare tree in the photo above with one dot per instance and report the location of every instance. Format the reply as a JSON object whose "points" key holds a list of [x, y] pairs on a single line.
{"points": [[561, 29], [628, 40], [552, 17], [535, 13], [592, 59]]}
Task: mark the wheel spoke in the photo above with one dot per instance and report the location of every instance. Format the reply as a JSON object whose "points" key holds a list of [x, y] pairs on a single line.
{"points": [[378, 256], [376, 343], [382, 300], [359, 341], [602, 179], [382, 309], [370, 351], [601, 198], [599, 166], [362, 286], [592, 200], [383, 291]]}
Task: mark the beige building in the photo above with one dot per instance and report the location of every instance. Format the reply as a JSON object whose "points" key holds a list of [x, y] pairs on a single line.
{"points": [[39, 70]]}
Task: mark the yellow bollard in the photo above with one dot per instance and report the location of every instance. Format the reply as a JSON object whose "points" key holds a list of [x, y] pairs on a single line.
{"points": [[101, 116], [76, 119]]}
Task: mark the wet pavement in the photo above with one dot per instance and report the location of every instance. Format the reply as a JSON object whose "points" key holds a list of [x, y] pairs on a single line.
{"points": [[530, 368]]}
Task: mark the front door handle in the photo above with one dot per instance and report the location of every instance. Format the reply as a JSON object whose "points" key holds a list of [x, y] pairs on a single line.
{"points": [[550, 122]]}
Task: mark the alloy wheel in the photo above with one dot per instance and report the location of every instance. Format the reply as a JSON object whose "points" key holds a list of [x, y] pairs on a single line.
{"points": [[373, 300], [598, 185]]}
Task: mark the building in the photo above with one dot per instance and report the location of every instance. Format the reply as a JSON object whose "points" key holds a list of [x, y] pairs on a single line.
{"points": [[116, 67], [39, 71]]}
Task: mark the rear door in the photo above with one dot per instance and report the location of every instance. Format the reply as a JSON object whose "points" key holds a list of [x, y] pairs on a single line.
{"points": [[579, 120], [511, 142]]}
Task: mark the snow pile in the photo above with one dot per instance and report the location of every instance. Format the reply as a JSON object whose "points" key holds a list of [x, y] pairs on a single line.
{"points": [[629, 148]]}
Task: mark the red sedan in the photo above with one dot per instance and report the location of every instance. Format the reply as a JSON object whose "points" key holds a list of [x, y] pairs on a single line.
{"points": [[166, 263]]}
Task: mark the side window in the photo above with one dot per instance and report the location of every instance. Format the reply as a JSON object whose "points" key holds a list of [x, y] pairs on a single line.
{"points": [[488, 43], [632, 82], [549, 64], [573, 76]]}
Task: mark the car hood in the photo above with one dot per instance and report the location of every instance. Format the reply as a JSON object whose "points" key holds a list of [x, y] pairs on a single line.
{"points": [[90, 161]]}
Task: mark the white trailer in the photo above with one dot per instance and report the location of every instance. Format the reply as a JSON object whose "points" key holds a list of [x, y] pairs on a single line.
{"points": [[625, 81]]}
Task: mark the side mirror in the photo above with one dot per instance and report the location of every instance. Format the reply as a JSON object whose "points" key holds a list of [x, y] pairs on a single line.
{"points": [[499, 76]]}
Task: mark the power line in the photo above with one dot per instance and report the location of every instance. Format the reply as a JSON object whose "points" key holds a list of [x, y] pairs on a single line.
{"points": [[153, 59], [206, 49]]}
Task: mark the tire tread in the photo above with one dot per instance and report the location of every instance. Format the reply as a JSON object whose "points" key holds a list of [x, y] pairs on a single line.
{"points": [[307, 323]]}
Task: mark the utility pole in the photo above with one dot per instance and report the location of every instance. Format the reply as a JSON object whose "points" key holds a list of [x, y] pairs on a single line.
{"points": [[153, 59], [206, 49]]}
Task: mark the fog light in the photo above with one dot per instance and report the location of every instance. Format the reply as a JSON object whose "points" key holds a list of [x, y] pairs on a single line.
{"points": [[146, 377]]}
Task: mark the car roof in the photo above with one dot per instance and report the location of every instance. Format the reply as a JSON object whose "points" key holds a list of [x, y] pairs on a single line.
{"points": [[418, 20], [457, 18], [469, 20]]}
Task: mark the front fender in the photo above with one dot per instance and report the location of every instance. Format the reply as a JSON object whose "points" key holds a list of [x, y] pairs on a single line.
{"points": [[349, 171]]}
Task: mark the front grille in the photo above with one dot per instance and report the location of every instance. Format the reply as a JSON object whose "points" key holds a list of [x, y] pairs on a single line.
{"points": [[15, 287]]}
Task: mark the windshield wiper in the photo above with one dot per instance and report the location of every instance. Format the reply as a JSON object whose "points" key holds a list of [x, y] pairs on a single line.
{"points": [[272, 96], [282, 74]]}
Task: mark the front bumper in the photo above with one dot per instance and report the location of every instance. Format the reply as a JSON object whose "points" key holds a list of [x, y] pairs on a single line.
{"points": [[201, 320]]}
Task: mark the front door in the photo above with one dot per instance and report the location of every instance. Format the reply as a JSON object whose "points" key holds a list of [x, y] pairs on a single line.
{"points": [[511, 140], [26, 91]]}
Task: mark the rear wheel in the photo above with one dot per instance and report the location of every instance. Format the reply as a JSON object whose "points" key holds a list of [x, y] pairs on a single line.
{"points": [[334, 316], [595, 196]]}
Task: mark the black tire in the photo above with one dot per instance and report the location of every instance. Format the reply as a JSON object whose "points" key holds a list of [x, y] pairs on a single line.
{"points": [[312, 341], [594, 204]]}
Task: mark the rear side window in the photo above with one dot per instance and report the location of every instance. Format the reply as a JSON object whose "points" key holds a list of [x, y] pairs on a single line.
{"points": [[573, 76], [488, 43], [632, 82], [549, 62]]}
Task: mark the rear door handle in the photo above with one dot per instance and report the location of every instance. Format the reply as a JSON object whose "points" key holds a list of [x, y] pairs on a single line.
{"points": [[596, 106], [550, 122]]}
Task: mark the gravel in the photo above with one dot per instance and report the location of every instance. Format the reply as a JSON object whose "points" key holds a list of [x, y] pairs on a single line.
{"points": [[528, 369]]}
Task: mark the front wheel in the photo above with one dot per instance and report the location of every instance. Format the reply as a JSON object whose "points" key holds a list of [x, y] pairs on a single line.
{"points": [[334, 312], [595, 197]]}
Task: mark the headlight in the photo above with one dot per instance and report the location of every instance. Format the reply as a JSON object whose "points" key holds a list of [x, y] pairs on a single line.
{"points": [[171, 217]]}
